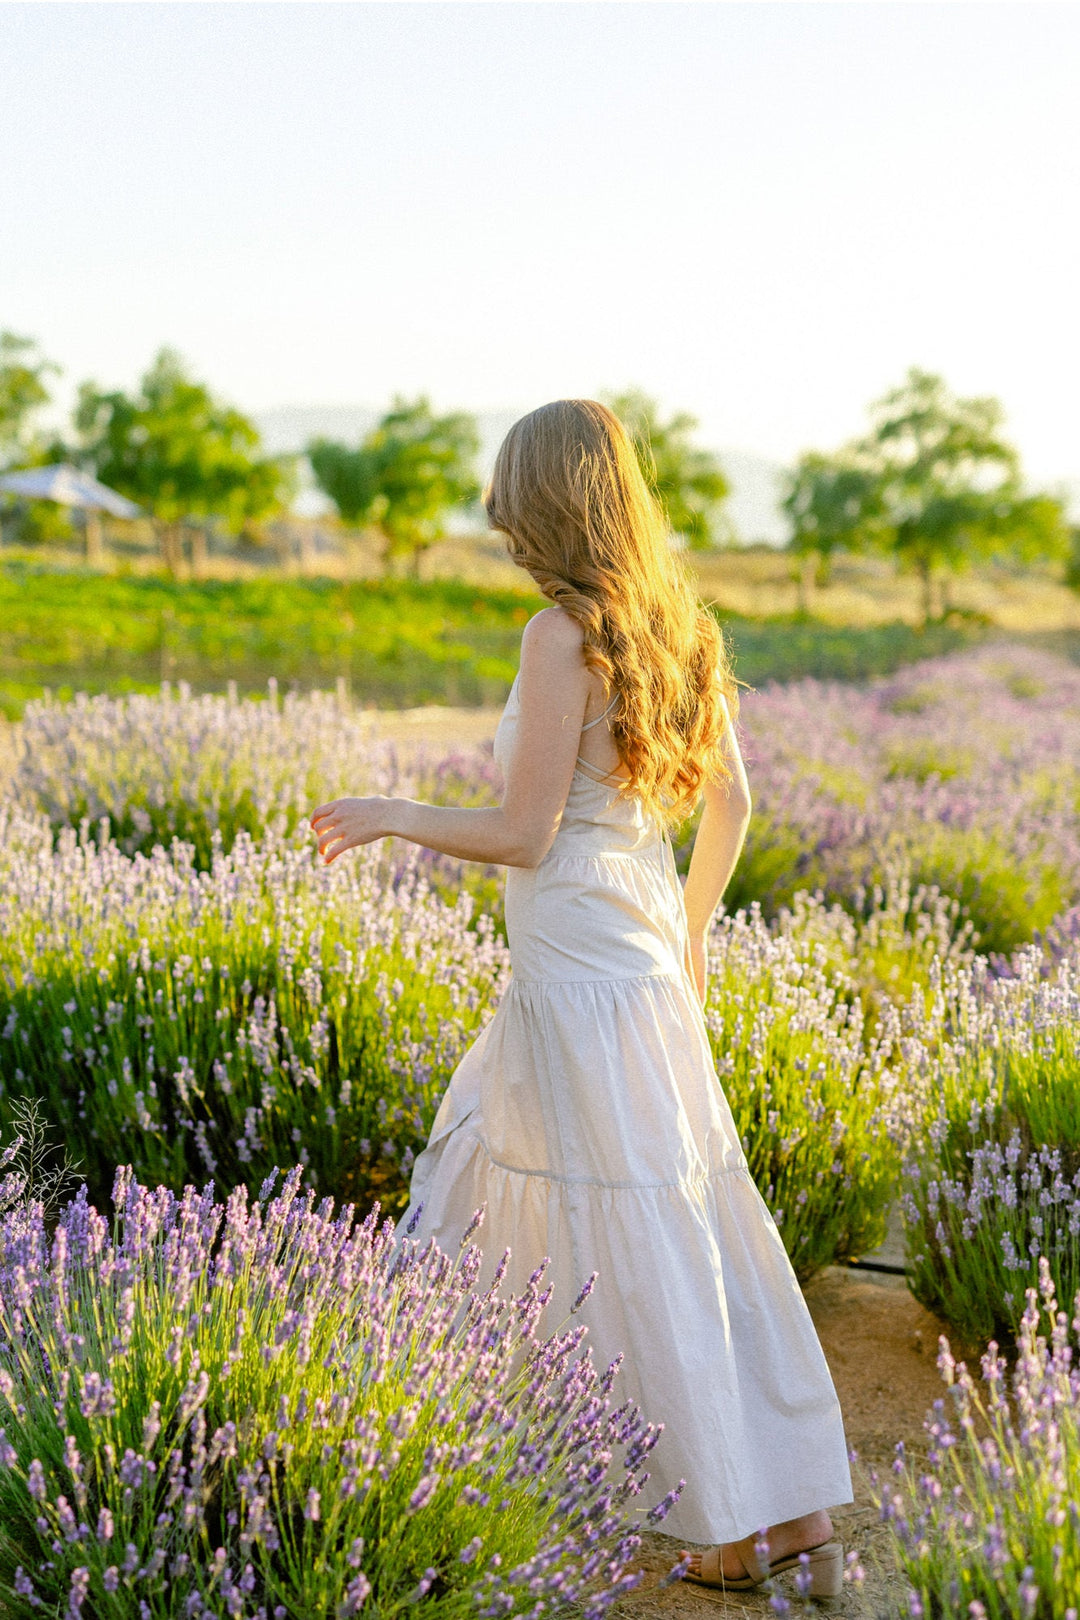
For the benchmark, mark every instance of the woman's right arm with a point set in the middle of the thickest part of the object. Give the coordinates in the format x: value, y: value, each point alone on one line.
x: 720, y: 835
x: 519, y: 831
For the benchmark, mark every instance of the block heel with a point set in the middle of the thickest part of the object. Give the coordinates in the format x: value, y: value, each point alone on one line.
x: 827, y: 1570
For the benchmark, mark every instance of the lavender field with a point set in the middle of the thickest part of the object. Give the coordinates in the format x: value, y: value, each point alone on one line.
x: 221, y: 1389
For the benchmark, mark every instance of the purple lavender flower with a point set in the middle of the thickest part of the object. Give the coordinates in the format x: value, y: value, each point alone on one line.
x: 300, y: 1443
x: 972, y: 1527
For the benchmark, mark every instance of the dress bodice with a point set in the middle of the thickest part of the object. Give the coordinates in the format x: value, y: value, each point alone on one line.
x: 598, y: 818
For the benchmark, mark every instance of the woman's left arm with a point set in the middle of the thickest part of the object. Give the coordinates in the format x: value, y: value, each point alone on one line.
x: 554, y: 688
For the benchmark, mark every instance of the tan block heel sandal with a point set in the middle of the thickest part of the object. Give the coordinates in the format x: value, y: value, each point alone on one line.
x: 825, y: 1566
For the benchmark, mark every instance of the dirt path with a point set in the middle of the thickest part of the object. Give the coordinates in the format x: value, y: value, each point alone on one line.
x: 881, y: 1347
x: 449, y: 728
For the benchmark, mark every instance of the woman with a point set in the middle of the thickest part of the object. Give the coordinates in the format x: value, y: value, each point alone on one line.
x: 588, y: 1117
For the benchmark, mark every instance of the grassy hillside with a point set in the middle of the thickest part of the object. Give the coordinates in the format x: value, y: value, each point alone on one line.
x: 393, y: 643
x: 404, y: 643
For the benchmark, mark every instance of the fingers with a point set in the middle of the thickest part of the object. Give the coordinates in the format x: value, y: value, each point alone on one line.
x: 332, y: 842
x: 324, y: 823
x: 329, y: 833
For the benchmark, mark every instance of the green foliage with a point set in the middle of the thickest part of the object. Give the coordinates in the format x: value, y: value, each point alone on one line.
x: 409, y: 471
x: 257, y: 1407
x: 787, y: 647
x: 833, y: 503
x: 812, y: 1100
x: 950, y: 482
x: 689, y: 481
x: 934, y: 483
x: 179, y: 453
x: 1072, y: 572
x: 347, y: 476
x: 267, y: 1012
x: 1004, y: 901
x: 392, y: 642
x: 36, y: 523
x: 209, y: 1025
x: 24, y: 389
x: 993, y: 1174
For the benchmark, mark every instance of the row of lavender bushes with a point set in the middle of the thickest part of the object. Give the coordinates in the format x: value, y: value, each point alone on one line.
x: 256, y: 1408
x: 252, y: 1408
x: 992, y: 1175
x: 210, y: 1025
x: 214, y: 1015
x: 986, y: 1524
x: 294, y: 1013
x: 853, y: 1032
x: 248, y: 1408
x: 965, y: 770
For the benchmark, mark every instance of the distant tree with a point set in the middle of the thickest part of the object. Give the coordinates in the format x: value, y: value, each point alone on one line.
x: 689, y: 481
x: 403, y: 478
x: 935, y: 484
x: 24, y: 389
x: 950, y: 485
x: 1072, y: 566
x: 185, y: 457
x: 348, y: 477
x: 833, y: 504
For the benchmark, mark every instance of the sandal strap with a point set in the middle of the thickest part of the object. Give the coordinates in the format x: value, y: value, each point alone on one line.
x: 711, y: 1566
x: 752, y: 1564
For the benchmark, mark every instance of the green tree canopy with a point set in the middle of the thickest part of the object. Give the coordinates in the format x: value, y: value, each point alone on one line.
x: 833, y: 504
x: 180, y: 453
x: 404, y: 477
x: 689, y: 481
x: 24, y: 389
x: 1072, y: 567
x: 934, y: 482
x: 347, y: 477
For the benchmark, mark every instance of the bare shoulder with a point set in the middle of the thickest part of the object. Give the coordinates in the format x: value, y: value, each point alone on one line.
x: 552, y: 633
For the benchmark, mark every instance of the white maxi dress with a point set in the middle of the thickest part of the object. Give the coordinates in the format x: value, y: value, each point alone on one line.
x: 589, y: 1119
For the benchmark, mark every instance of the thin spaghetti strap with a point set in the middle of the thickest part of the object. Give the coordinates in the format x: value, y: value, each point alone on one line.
x: 590, y: 723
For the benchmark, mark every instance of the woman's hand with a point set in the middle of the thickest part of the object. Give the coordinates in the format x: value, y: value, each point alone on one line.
x: 698, y: 964
x: 346, y: 823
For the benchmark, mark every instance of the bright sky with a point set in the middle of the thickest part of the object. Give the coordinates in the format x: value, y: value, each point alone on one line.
x: 762, y: 213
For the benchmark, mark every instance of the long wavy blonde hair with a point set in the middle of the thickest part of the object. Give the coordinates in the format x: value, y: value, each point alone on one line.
x: 568, y: 493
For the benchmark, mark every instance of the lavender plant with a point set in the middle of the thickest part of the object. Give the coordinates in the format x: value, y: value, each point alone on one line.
x: 992, y: 1182
x: 261, y: 1408
x: 209, y: 1024
x: 206, y: 768
x: 884, y: 946
x: 989, y: 1526
x: 965, y: 769
x: 962, y: 770
x: 32, y: 1165
x: 206, y: 1024
x: 814, y: 1098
